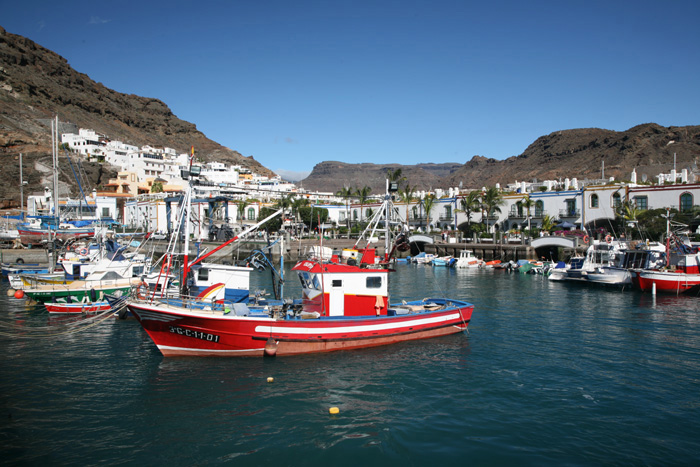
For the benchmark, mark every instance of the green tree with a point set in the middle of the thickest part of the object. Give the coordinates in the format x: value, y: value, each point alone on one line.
x: 629, y: 213
x: 310, y: 215
x: 346, y: 193
x: 527, y: 203
x: 548, y: 223
x: 274, y: 224
x: 157, y: 187
x: 491, y: 202
x: 242, y: 204
x: 407, y: 195
x: 428, y: 203
x: 362, y: 197
x: 395, y: 175
x: 469, y: 205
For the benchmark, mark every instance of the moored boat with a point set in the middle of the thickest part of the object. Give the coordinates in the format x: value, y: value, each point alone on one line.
x: 343, y: 307
x: 467, y: 259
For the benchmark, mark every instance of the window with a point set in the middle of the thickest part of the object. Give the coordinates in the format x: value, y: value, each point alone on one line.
x: 594, y: 200
x: 641, y: 202
x: 105, y: 212
x: 415, y: 212
x: 251, y: 214
x: 203, y: 274
x: 374, y: 282
x: 616, y: 202
x: 686, y: 202
x: 448, y: 212
x: 539, y: 208
x: 570, y: 207
x: 337, y: 283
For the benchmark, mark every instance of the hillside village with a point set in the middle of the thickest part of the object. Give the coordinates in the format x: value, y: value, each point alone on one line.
x: 150, y: 179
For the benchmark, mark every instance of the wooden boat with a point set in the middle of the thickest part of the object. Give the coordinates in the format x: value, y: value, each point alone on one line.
x: 342, y: 307
x: 78, y: 307
x: 93, y: 289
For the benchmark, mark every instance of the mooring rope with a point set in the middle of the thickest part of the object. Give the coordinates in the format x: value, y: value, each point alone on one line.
x: 30, y: 332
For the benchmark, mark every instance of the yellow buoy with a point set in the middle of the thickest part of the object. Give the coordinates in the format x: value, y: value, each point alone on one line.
x: 334, y: 410
x: 10, y: 292
x: 270, y: 379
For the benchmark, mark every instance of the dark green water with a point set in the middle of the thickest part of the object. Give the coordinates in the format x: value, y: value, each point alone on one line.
x: 549, y: 374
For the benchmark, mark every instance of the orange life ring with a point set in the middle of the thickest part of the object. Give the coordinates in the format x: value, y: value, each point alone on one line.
x: 585, y: 239
x: 142, y: 291
x: 608, y: 238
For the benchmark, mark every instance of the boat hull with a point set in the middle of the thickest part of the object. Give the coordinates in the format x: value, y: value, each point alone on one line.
x: 36, y: 236
x: 77, y: 308
x: 667, y: 281
x: 78, y: 293
x: 211, y: 333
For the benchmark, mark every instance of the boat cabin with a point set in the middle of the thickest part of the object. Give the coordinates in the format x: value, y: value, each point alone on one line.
x: 220, y: 282
x: 332, y: 289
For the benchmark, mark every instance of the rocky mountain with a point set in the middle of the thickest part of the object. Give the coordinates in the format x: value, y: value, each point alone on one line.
x: 582, y: 153
x: 37, y: 84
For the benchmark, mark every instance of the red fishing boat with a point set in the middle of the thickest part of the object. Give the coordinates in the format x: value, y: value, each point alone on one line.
x: 343, y: 307
x: 682, y: 277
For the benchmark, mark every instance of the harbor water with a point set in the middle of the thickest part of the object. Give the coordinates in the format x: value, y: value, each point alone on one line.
x: 550, y: 373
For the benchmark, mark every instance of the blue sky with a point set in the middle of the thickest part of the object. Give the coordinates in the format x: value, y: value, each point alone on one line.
x: 297, y: 83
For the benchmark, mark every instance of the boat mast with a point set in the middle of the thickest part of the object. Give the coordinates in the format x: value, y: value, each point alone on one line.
x: 54, y: 148
x: 21, y: 189
x: 186, y: 220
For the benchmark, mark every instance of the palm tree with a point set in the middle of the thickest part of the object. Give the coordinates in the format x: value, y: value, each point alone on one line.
x: 491, y: 200
x: 157, y: 187
x: 241, y: 210
x: 428, y: 203
x: 362, y: 196
x: 548, y: 223
x: 629, y: 212
x: 527, y: 203
x: 407, y: 195
x: 394, y: 175
x: 346, y: 193
x: 470, y: 204
x: 285, y: 202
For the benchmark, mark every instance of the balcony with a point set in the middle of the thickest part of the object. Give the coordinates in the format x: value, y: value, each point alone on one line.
x: 446, y: 217
x: 569, y: 213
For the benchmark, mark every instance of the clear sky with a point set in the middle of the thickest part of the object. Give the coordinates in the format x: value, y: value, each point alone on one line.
x: 295, y: 83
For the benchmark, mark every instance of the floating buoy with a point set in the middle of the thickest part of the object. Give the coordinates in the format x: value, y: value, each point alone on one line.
x: 11, y: 292
x: 334, y: 410
x: 19, y: 293
x: 270, y: 379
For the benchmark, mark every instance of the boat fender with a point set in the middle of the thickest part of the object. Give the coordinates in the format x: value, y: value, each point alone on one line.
x: 93, y: 295
x: 585, y: 239
x: 270, y: 348
x: 19, y: 261
x: 608, y: 239
x: 142, y: 291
